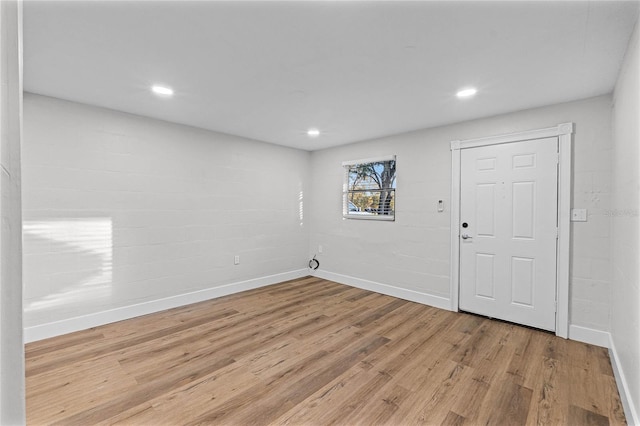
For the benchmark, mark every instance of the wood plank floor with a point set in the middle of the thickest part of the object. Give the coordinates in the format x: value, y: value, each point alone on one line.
x: 313, y: 352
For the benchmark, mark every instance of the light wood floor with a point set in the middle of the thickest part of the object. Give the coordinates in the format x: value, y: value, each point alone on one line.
x: 313, y: 352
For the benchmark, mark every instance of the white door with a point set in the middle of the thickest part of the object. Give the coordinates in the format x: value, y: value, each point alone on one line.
x: 508, y: 231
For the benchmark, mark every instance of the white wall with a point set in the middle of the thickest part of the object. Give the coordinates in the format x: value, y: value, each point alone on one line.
x: 121, y: 210
x: 411, y: 255
x: 625, y: 217
x: 12, y: 389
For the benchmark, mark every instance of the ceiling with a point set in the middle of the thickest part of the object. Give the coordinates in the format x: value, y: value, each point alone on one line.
x: 269, y: 70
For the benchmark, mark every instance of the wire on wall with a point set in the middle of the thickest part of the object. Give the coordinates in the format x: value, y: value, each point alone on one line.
x: 314, y: 263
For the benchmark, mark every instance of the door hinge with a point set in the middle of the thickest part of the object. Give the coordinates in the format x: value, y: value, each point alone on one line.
x: 557, y: 233
x: 558, y: 159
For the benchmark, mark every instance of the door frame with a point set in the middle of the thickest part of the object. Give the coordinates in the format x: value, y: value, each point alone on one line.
x: 564, y: 133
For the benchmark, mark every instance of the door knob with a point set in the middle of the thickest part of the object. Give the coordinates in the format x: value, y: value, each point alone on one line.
x: 466, y: 236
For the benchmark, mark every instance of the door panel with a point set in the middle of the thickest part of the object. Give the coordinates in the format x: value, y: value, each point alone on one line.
x: 522, y: 280
x: 508, y: 200
x: 524, y: 194
x: 485, y: 205
x: 484, y: 275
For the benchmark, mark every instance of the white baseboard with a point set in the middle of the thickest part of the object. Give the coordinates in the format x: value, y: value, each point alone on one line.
x: 578, y: 333
x: 402, y: 293
x: 604, y: 339
x: 623, y: 387
x: 84, y: 322
x: 43, y: 331
x: 589, y: 335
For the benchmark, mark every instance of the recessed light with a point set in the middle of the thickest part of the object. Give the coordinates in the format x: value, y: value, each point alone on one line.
x: 467, y: 93
x: 313, y: 133
x: 162, y: 90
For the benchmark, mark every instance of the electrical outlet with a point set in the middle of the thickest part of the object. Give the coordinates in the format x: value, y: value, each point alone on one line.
x: 579, y: 215
x: 236, y: 260
x: 319, y: 249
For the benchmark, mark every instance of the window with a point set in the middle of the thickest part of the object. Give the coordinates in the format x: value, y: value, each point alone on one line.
x: 370, y: 189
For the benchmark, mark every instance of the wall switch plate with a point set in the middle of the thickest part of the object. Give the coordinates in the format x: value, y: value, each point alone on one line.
x: 319, y: 249
x: 440, y: 206
x: 578, y: 215
x: 236, y: 260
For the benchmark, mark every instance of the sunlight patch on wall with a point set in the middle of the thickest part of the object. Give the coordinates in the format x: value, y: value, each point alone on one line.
x: 73, y: 258
x: 301, y: 207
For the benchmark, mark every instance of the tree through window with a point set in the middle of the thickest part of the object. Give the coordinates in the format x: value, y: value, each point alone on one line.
x: 370, y: 189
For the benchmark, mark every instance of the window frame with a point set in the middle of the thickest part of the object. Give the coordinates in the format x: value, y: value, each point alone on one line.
x: 346, y: 191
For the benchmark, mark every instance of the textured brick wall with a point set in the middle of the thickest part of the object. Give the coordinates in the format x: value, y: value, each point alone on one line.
x: 412, y: 253
x: 120, y: 209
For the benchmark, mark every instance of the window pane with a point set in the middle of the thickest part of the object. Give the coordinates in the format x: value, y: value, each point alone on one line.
x: 370, y: 189
x: 379, y: 175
